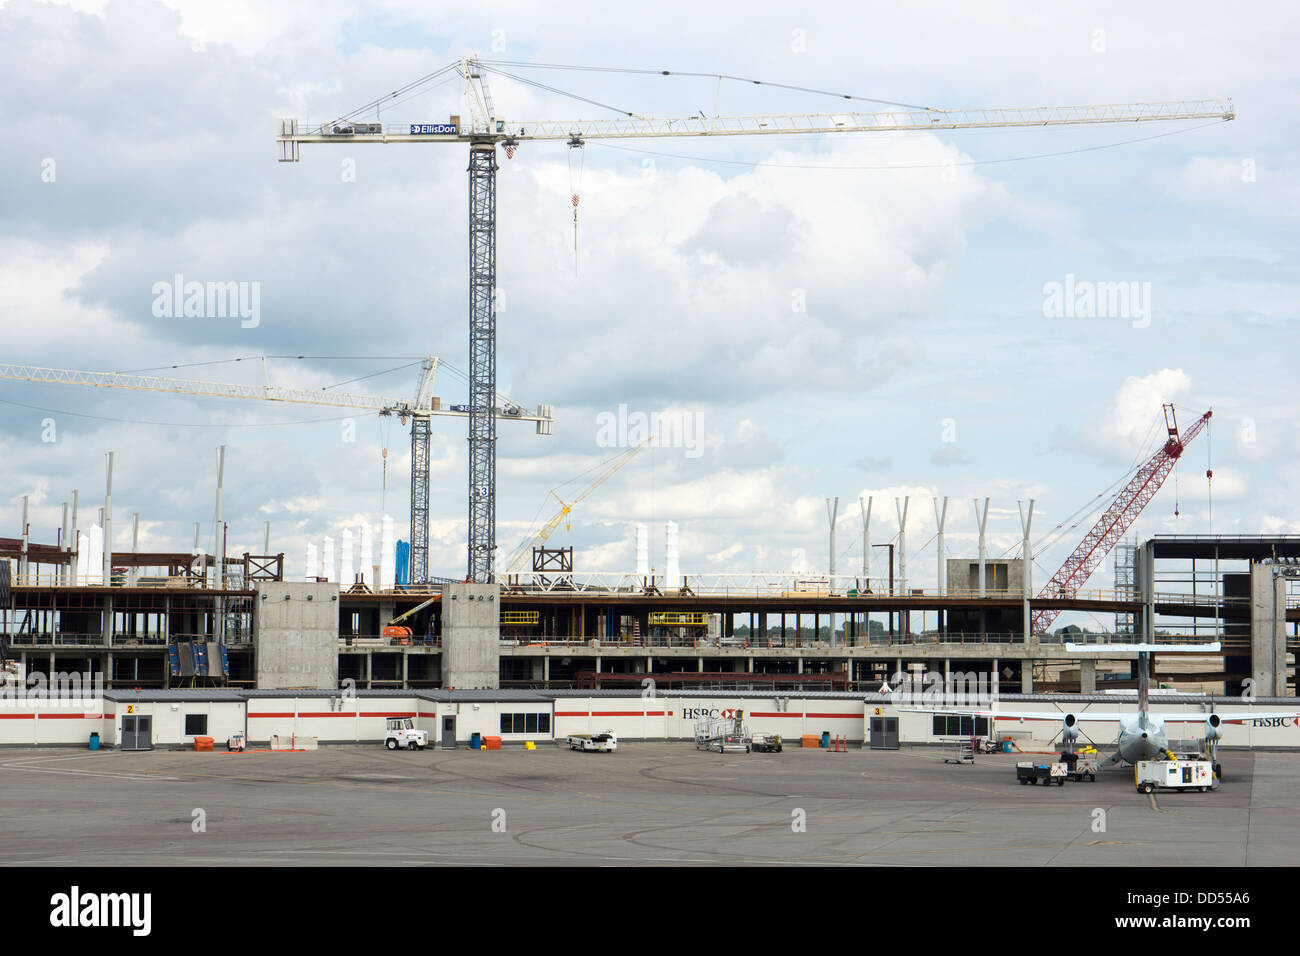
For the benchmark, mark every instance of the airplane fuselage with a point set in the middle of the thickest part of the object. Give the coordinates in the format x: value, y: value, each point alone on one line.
x: 1142, y: 737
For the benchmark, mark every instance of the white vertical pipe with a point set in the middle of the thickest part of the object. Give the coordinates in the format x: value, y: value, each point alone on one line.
x: 387, y: 556
x: 1026, y: 520
x: 311, y: 572
x: 327, y: 560
x: 266, y: 547
x: 940, y: 518
x: 108, y: 523
x: 866, y: 540
x: 82, y: 574
x: 367, y: 555
x: 672, y: 559
x: 642, y: 550
x: 347, y: 573
x: 983, y: 518
x: 22, y: 561
x: 73, y: 534
x: 64, y: 544
x: 218, y: 572
x: 832, y: 511
x: 901, y: 510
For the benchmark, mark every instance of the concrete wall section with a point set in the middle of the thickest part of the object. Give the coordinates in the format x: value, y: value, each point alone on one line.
x: 471, y: 636
x: 1267, y: 631
x: 295, y: 634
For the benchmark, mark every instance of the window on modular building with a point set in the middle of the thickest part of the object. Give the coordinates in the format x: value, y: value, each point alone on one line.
x: 507, y: 723
x: 196, y: 725
x: 530, y: 725
x: 960, y: 725
x: 543, y: 723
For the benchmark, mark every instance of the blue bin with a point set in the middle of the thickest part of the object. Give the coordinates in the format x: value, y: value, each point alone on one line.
x: 94, y: 740
x: 826, y: 739
x: 476, y: 741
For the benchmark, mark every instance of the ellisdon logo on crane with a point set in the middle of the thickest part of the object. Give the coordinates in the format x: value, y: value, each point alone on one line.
x: 434, y: 129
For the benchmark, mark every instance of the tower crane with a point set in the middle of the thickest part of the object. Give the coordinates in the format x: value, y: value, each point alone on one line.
x: 421, y: 410
x: 487, y: 129
x: 566, y: 508
x: 1117, y: 518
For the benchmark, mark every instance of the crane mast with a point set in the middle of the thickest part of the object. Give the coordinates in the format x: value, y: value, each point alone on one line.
x: 1116, y: 519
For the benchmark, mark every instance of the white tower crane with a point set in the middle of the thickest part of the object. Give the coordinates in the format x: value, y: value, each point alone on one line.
x: 487, y: 129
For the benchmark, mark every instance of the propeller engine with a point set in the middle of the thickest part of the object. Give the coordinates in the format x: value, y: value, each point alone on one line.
x: 1069, y: 729
x: 1213, y: 727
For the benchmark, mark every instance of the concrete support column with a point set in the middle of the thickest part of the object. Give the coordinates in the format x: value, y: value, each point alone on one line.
x: 751, y: 665
x: 1267, y: 631
x: 1088, y: 677
x: 546, y: 668
x: 699, y: 664
x: 1026, y: 677
x: 597, y: 663
x: 370, y: 659
x: 406, y: 658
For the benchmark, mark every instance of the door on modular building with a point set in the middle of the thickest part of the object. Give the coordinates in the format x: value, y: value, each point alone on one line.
x: 137, y: 732
x: 448, y: 732
x: 884, y: 733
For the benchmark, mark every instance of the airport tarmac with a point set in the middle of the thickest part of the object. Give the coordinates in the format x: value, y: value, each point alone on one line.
x: 647, y: 804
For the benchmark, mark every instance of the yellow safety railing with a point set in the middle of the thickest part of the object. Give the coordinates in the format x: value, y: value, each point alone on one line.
x: 679, y: 618
x: 519, y: 617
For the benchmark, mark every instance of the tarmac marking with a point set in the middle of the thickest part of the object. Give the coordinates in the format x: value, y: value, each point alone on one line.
x: 24, y: 765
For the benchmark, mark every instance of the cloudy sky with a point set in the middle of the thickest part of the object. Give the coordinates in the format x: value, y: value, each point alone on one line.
x: 839, y: 316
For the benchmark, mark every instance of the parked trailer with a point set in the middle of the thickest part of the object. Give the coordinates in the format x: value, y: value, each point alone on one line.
x: 1029, y: 772
x: 1150, y: 775
x: 594, y: 743
x: 1080, y: 767
x: 766, y: 743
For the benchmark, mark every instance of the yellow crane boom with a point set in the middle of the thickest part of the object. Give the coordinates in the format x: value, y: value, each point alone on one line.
x: 548, y: 529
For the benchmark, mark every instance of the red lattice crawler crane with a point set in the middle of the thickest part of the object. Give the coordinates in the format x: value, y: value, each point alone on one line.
x: 1117, y: 518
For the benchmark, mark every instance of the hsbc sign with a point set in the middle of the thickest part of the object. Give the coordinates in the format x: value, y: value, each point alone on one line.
x: 700, y: 713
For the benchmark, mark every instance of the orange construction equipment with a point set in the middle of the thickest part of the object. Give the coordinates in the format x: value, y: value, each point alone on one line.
x: 491, y: 743
x: 810, y: 740
x: 202, y: 743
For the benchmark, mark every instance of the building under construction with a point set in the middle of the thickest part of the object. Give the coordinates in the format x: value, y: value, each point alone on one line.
x: 161, y: 623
